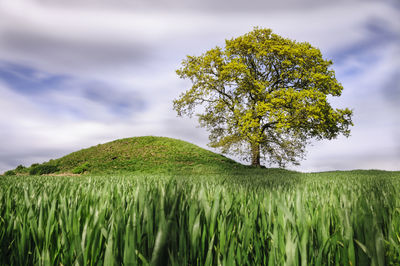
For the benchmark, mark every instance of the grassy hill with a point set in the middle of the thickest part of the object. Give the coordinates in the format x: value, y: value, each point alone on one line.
x: 140, y: 154
x: 159, y: 155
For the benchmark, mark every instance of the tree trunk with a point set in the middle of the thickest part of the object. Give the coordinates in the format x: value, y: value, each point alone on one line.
x: 255, y: 155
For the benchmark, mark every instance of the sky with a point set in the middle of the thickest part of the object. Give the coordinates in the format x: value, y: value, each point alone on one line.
x: 76, y: 73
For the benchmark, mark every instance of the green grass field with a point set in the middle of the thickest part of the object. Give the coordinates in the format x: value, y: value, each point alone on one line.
x: 197, y: 208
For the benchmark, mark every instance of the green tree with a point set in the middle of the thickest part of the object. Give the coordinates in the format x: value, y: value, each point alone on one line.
x: 263, y: 96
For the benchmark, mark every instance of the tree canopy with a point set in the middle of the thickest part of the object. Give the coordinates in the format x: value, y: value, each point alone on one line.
x: 263, y: 97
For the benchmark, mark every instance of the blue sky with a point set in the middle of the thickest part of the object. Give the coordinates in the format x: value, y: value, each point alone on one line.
x: 77, y: 73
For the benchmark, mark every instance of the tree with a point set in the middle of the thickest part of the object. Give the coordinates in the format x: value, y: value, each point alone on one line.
x: 263, y: 96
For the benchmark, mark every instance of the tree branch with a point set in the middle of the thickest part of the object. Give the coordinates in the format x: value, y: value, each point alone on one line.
x: 267, y: 125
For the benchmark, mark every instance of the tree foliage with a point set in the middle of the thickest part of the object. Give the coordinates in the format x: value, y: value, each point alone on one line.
x: 263, y: 96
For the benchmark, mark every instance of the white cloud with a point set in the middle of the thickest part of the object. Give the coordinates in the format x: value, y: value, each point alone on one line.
x: 74, y: 39
x: 30, y: 134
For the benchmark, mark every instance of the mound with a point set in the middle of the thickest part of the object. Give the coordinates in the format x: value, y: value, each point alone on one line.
x: 142, y: 154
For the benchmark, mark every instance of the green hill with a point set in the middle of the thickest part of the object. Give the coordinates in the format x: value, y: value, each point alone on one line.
x: 140, y: 154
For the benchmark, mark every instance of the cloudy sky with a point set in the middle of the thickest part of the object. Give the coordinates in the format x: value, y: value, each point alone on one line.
x: 75, y: 73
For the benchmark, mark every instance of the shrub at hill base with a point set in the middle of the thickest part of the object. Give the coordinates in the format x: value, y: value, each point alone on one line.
x: 43, y: 169
x: 10, y: 172
x: 81, y: 168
